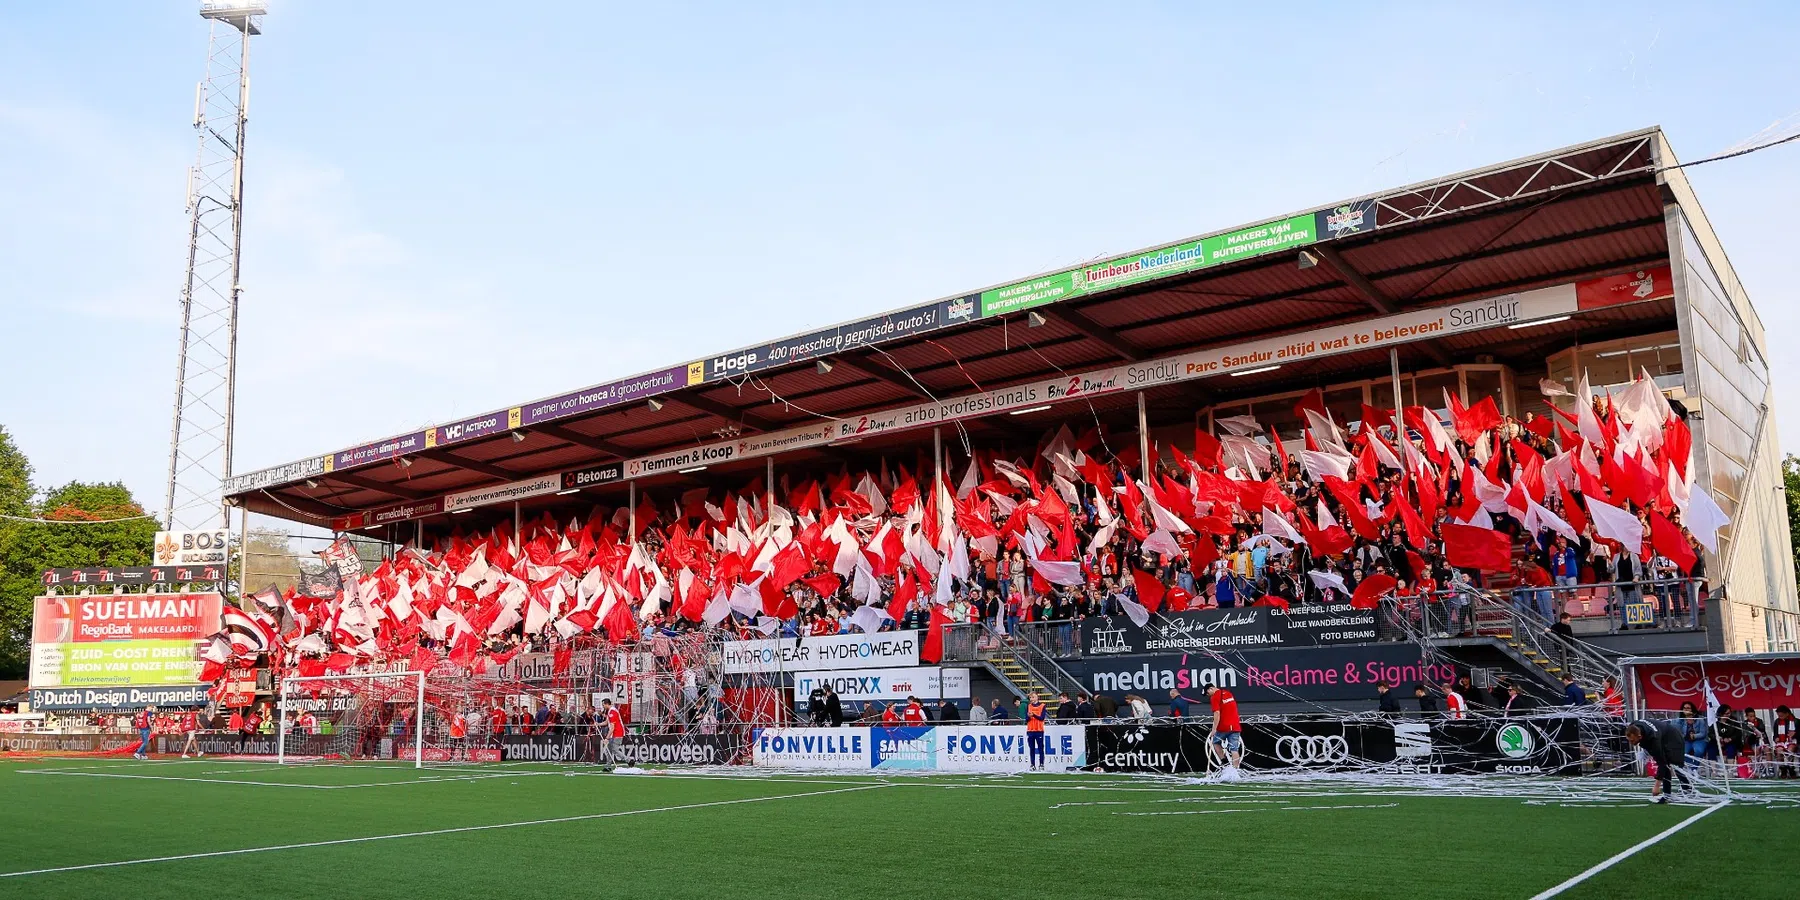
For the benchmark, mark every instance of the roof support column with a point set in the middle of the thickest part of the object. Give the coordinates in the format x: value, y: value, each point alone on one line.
x: 1399, y: 413
x: 1143, y: 438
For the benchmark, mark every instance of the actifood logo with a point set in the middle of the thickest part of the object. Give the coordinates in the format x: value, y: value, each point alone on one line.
x: 1515, y: 742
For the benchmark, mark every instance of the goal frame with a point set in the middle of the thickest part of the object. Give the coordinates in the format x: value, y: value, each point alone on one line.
x: 287, y: 685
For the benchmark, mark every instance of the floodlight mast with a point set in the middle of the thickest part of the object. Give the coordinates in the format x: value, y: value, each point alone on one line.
x: 200, y: 436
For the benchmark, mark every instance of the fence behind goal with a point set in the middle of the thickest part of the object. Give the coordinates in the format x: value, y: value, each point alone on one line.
x: 671, y: 693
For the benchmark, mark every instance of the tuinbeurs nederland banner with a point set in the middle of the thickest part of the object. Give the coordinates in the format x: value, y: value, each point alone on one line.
x: 120, y: 640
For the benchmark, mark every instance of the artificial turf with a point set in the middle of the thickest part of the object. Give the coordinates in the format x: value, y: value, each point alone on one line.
x: 840, y: 837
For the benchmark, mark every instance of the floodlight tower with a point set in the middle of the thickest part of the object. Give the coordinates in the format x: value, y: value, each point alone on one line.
x: 206, y: 368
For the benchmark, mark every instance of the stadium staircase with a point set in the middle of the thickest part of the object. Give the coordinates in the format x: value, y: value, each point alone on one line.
x: 1527, y: 640
x: 1021, y: 665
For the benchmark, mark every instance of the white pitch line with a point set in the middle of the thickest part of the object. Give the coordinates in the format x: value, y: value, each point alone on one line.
x: 415, y: 834
x: 315, y: 787
x: 1628, y: 852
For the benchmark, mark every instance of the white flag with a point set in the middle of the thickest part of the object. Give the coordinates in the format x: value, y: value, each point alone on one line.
x: 1612, y: 522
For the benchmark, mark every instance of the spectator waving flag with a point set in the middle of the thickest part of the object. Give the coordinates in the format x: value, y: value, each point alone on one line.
x: 248, y: 636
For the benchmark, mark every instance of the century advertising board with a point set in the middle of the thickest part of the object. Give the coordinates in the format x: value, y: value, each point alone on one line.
x: 120, y: 640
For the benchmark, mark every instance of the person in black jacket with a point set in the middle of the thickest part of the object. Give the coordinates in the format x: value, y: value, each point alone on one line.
x: 834, y: 708
x: 1662, y: 742
x: 815, y: 705
x: 1065, y: 709
x: 1427, y: 703
x: 1084, y: 708
x: 947, y: 711
x: 1388, y: 702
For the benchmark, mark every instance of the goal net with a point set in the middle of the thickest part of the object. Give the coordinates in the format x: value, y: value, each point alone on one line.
x: 356, y: 718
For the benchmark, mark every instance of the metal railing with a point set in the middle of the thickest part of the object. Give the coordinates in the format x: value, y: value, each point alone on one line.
x: 1651, y: 604
x: 978, y: 642
x: 1060, y: 638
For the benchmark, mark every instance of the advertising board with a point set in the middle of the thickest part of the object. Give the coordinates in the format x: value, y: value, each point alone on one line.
x: 117, y: 640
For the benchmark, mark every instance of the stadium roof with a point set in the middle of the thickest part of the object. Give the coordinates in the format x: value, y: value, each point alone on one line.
x: 1582, y: 212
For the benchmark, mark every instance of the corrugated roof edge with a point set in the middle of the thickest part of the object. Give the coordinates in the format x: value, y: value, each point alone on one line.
x: 247, y: 482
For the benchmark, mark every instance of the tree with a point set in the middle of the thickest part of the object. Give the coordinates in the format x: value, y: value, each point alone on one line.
x: 271, y: 561
x: 1790, y: 478
x: 93, y: 536
x: 15, y: 478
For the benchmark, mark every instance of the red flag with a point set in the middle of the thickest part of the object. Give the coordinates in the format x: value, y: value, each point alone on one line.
x: 905, y: 589
x: 1530, y: 469
x: 1670, y: 542
x: 1474, y: 547
x: 1470, y: 423
x: 1280, y: 448
x: 423, y: 660
x: 824, y: 584
x: 1678, y: 443
x: 1150, y: 591
x: 776, y: 601
x: 933, y: 649
x: 787, y: 564
x: 1430, y: 501
x: 620, y: 627
x: 1370, y: 590
x: 1572, y: 511
x: 1313, y: 400
x: 1373, y: 418
x: 904, y: 497
x: 1415, y: 527
x: 1361, y: 523
x: 1206, y: 449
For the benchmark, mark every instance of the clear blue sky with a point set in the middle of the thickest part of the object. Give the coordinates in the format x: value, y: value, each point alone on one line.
x: 453, y: 207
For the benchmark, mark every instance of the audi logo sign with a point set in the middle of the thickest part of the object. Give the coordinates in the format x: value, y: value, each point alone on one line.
x: 1301, y: 750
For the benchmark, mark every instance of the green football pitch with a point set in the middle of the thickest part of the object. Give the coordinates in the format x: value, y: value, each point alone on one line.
x: 208, y: 828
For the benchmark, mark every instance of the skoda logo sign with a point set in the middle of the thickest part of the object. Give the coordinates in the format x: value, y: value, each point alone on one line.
x: 1299, y: 750
x: 1515, y: 742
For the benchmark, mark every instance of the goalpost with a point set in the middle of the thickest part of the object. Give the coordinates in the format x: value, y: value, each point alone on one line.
x: 354, y: 716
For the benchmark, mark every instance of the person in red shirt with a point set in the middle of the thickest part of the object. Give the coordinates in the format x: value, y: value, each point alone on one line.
x: 1454, y: 705
x: 1227, y: 734
x: 496, y: 724
x: 190, y: 726
x: 915, y: 712
x: 889, y: 717
x: 142, y: 722
x: 614, y: 729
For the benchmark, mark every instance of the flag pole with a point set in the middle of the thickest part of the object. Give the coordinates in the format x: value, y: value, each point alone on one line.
x: 1712, y: 724
x: 419, y: 724
x: 281, y: 726
x: 1143, y: 438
